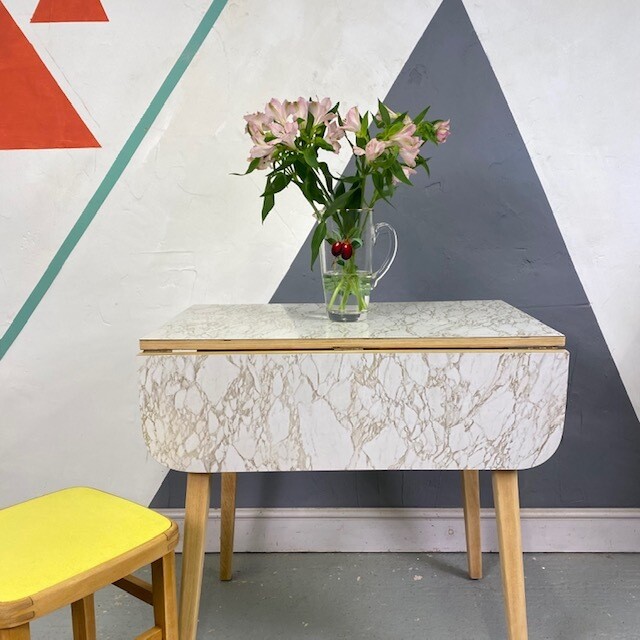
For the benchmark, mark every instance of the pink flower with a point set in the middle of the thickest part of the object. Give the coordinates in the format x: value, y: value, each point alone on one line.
x: 320, y: 110
x: 266, y: 162
x: 261, y: 150
x: 277, y: 110
x: 285, y: 134
x: 405, y: 136
x: 333, y: 134
x: 256, y: 123
x: 410, y: 152
x: 352, y: 120
x: 442, y: 130
x: 373, y: 149
x: 299, y: 109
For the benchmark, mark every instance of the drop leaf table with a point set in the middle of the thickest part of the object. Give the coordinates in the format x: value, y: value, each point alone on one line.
x: 467, y: 385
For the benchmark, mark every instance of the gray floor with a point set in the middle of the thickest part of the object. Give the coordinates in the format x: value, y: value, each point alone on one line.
x: 390, y: 597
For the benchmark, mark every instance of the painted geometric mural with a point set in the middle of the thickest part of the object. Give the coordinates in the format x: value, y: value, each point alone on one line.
x: 35, y: 113
x: 100, y: 246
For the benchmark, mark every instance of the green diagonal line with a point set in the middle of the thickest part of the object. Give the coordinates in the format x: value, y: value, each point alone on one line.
x: 112, y: 176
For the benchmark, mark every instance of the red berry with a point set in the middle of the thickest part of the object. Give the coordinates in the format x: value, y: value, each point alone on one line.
x: 336, y: 248
x: 347, y: 250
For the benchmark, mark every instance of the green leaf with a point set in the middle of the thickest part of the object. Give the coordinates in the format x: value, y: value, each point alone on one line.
x: 316, y: 241
x: 310, y: 123
x: 310, y: 157
x: 252, y: 167
x: 324, y: 167
x: 397, y: 171
x: 322, y: 143
x: 301, y: 169
x: 420, y: 117
x: 384, y: 113
x: 339, y: 203
x: 311, y: 185
x: 393, y: 129
x: 378, y: 181
x: 340, y: 189
x: 267, y: 205
x: 356, y: 242
x: 364, y: 127
x: 277, y: 184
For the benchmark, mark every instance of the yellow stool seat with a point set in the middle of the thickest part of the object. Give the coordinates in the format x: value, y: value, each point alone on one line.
x: 48, y: 540
x: 60, y: 548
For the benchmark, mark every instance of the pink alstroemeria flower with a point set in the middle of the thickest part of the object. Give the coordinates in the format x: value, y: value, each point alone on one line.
x: 261, y: 150
x: 285, y: 134
x: 320, y: 110
x: 256, y: 123
x: 405, y: 137
x: 373, y: 149
x: 442, y: 130
x: 266, y: 162
x: 333, y: 134
x: 298, y: 109
x: 409, y: 153
x: 277, y: 110
x: 352, y: 120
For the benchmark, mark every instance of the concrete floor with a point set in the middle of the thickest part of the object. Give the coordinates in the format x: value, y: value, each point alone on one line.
x: 390, y: 597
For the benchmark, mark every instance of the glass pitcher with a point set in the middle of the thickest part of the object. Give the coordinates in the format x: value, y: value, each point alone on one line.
x: 346, y: 261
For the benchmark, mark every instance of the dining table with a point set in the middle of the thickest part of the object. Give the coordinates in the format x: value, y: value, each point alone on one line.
x: 466, y: 386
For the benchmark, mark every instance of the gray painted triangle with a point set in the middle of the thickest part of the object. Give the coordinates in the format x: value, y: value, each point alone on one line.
x: 480, y: 227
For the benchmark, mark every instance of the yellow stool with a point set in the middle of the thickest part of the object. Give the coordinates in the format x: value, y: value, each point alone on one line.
x: 61, y: 548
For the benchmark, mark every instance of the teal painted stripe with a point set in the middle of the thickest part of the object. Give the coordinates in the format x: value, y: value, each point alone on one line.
x: 113, y: 174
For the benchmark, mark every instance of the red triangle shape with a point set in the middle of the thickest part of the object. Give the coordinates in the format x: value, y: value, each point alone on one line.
x: 69, y: 11
x: 34, y: 111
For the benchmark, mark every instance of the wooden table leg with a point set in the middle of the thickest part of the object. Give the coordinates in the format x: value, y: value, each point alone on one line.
x: 227, y: 524
x: 195, y: 529
x: 83, y: 618
x: 471, y: 506
x: 507, y: 503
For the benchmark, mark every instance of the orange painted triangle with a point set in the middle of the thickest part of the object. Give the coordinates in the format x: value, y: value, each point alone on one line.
x: 34, y: 111
x: 69, y: 11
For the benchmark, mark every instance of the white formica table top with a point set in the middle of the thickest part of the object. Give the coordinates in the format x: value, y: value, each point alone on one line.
x: 403, y: 325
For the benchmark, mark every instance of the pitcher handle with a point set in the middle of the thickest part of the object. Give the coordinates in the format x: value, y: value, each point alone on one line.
x: 391, y: 254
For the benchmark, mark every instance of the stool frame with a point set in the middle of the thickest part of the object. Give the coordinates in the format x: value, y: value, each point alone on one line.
x: 78, y: 591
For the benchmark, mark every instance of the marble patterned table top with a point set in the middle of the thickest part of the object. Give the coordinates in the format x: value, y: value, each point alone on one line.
x: 460, y: 324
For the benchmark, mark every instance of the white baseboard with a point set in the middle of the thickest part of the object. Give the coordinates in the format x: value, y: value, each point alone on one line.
x: 420, y: 530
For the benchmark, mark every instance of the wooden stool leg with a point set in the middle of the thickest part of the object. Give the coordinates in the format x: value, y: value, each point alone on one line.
x: 227, y: 524
x: 16, y: 633
x: 471, y: 506
x: 83, y: 618
x: 507, y: 503
x: 195, y: 529
x: 165, y: 609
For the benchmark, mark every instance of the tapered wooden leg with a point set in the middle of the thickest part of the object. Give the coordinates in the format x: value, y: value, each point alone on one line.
x: 507, y: 503
x: 195, y: 529
x: 83, y: 617
x: 227, y: 524
x: 165, y: 609
x: 471, y: 505
x: 17, y: 633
